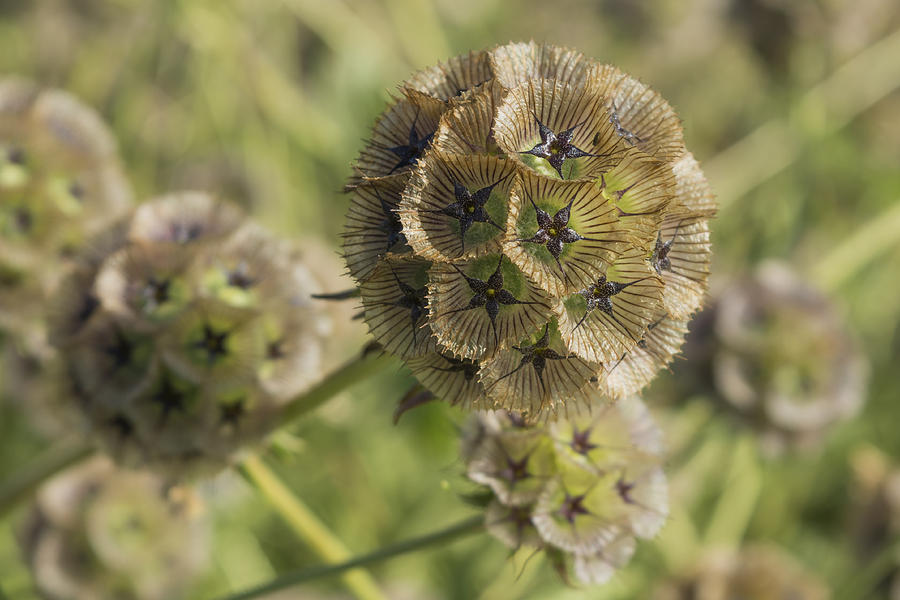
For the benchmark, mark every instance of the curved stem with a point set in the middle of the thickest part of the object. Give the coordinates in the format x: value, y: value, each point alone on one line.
x: 53, y: 460
x: 307, y: 526
x: 362, y: 367
x: 463, y: 528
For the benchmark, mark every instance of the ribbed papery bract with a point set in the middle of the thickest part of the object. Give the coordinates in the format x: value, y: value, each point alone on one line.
x: 692, y: 190
x: 512, y: 381
x: 581, y: 512
x: 470, y: 332
x: 632, y: 372
x: 515, y: 464
x: 467, y: 128
x: 643, y: 189
x: 560, y: 108
x: 681, y: 256
x: 512, y: 525
x: 184, y: 218
x: 453, y: 78
x: 449, y: 377
x: 598, y: 568
x: 590, y: 215
x: 373, y: 226
x: 396, y: 306
x: 517, y: 63
x: 644, y: 118
x: 601, y: 334
x: 146, y: 283
x: 292, y: 355
x: 432, y: 190
x: 406, y: 124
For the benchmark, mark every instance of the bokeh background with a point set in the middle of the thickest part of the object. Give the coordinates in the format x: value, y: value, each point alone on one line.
x: 792, y: 108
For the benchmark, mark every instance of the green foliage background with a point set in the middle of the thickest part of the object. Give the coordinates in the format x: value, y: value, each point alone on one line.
x: 276, y: 95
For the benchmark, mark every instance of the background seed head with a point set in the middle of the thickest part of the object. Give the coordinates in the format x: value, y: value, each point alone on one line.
x: 779, y: 357
x: 98, y: 531
x: 184, y: 339
x: 60, y: 185
x: 582, y: 489
x: 527, y: 228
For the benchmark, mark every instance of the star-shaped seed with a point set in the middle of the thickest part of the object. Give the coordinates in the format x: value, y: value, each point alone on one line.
x: 232, y: 412
x: 573, y: 506
x: 411, y: 299
x: 628, y: 136
x: 410, y: 152
x: 556, y: 149
x: 599, y: 296
x: 240, y: 277
x: 467, y: 367
x: 581, y: 441
x: 120, y: 351
x: 554, y: 232
x: 488, y: 294
x: 169, y: 398
x: 660, y: 257
x: 213, y: 342
x: 391, y: 225
x: 469, y: 207
x: 537, y: 356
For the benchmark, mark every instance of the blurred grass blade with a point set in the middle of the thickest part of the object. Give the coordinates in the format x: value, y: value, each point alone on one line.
x: 307, y: 526
x: 827, y: 107
x: 862, y: 247
x: 468, y: 526
x: 26, y: 480
x: 735, y: 507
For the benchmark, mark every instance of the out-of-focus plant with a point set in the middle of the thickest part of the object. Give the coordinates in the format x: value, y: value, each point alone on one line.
x: 97, y: 531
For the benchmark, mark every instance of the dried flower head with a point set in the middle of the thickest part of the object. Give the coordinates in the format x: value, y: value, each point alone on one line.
x: 96, y: 531
x: 779, y: 357
x: 581, y: 489
x: 184, y: 340
x: 60, y: 185
x: 753, y: 573
x: 527, y: 227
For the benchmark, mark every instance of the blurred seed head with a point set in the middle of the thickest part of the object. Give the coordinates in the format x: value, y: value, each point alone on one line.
x: 60, y: 186
x: 97, y: 531
x: 752, y: 573
x: 581, y: 489
x: 527, y: 228
x: 778, y: 356
x: 183, y: 341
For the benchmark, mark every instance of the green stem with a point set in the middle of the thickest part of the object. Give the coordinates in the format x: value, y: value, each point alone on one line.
x: 307, y: 526
x: 461, y: 529
x: 358, y: 369
x: 24, y: 481
x: 864, y: 584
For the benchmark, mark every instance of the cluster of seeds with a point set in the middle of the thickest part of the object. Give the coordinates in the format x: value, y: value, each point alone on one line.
x: 185, y: 331
x: 527, y: 228
x: 60, y: 184
x: 100, y: 532
x: 778, y: 356
x: 581, y: 489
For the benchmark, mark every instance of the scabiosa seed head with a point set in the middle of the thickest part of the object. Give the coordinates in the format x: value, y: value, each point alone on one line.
x: 582, y: 488
x: 97, y: 531
x: 779, y: 358
x: 60, y: 185
x: 184, y: 340
x: 526, y: 228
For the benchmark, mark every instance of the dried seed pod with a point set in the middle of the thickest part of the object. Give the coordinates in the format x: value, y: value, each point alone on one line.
x: 99, y: 532
x: 183, y: 342
x: 582, y: 488
x: 60, y: 186
x: 549, y: 210
x: 779, y: 358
